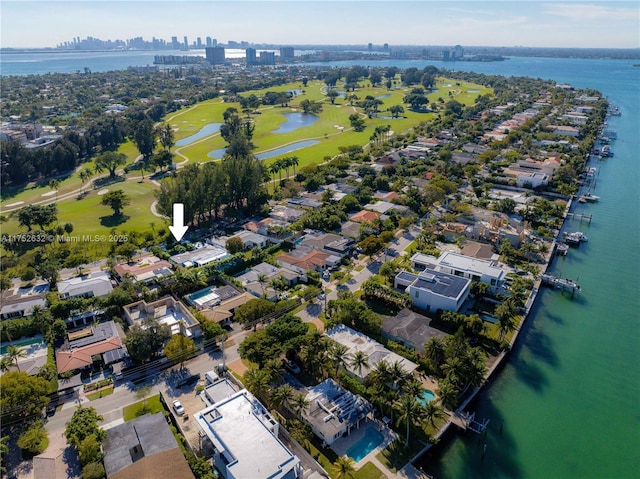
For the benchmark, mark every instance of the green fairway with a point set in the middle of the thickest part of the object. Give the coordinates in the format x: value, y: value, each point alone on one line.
x: 89, y: 217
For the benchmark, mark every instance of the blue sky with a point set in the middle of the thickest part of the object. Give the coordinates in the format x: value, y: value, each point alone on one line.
x: 26, y: 23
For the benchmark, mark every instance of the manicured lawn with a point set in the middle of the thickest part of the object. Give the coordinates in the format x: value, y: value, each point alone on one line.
x: 101, y: 393
x: 132, y: 411
x: 395, y: 456
x: 369, y: 471
x: 326, y: 457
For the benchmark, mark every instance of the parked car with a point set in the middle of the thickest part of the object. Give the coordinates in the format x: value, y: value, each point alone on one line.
x: 178, y: 408
x: 291, y: 366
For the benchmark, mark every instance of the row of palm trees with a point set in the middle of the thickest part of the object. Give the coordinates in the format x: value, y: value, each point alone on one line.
x: 284, y: 163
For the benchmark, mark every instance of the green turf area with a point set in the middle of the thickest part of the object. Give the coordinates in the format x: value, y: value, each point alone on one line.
x: 89, y: 217
x: 150, y: 405
x: 102, y: 393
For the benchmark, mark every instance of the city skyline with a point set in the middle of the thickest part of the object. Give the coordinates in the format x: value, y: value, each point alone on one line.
x: 569, y: 24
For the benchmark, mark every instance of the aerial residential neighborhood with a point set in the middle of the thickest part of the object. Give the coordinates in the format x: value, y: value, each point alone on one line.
x: 250, y: 269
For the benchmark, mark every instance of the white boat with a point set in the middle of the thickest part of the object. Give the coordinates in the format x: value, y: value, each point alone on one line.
x: 575, y: 237
x: 588, y: 197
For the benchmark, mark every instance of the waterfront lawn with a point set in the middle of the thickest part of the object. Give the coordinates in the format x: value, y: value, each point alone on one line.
x: 395, y: 455
x: 149, y: 405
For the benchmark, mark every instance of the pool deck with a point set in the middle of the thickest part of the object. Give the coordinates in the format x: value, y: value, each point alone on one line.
x: 342, y: 445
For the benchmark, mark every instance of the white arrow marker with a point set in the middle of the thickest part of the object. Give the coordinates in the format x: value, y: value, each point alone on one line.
x: 178, y: 229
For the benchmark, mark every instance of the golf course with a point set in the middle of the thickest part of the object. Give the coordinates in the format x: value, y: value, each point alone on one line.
x: 279, y: 131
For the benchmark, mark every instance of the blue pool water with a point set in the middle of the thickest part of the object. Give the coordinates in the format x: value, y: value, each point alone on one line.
x: 219, y: 153
x: 295, y: 121
x: 208, y: 129
x: 27, y: 342
x: 202, y: 293
x: 488, y: 318
x: 426, y: 397
x: 372, y: 439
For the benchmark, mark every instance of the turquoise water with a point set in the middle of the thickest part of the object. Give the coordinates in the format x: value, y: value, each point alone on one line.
x: 295, y: 121
x: 372, y: 439
x: 208, y: 129
x: 3, y: 348
x: 426, y: 397
x: 567, y: 403
x: 201, y: 293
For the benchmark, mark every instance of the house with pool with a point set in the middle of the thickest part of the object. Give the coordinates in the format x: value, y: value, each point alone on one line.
x: 167, y: 311
x: 333, y: 412
x: 375, y: 352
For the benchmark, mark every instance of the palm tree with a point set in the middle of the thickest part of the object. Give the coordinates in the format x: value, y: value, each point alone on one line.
x: 54, y: 184
x: 262, y: 279
x: 282, y: 396
x: 397, y: 374
x: 276, y: 167
x: 506, y: 321
x: 409, y: 410
x: 339, y: 355
x: 413, y: 388
x: 274, y: 369
x: 434, y: 350
x: 358, y: 361
x: 299, y: 404
x: 257, y: 381
x: 343, y: 467
x: 14, y: 353
x: 432, y: 412
x: 294, y: 162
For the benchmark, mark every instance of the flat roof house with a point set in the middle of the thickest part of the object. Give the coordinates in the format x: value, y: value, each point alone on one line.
x: 85, y: 286
x: 333, y: 411
x: 245, y: 439
x: 167, y: 311
x: 432, y: 290
x: 144, y: 448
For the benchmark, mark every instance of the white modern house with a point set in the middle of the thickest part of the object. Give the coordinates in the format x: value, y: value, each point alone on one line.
x: 375, y: 352
x: 333, y: 411
x: 167, y: 311
x: 532, y: 180
x: 245, y: 439
x: 475, y: 269
x: 432, y: 290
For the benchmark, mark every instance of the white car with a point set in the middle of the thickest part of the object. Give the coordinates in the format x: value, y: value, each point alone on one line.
x: 178, y: 408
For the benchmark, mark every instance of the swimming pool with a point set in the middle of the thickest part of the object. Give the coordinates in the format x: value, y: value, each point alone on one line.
x: 372, y: 439
x: 426, y: 397
x: 27, y: 342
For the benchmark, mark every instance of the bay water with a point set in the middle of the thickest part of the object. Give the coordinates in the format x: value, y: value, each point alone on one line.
x: 567, y: 403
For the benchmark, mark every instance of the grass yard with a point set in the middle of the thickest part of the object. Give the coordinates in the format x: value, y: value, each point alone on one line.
x: 89, y: 217
x: 395, y: 456
x: 150, y: 405
x: 102, y: 393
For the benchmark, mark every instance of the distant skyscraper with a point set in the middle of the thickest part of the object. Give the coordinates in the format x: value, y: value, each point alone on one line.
x: 286, y: 53
x: 209, y: 44
x: 214, y: 42
x: 370, y: 47
x: 215, y: 55
x: 267, y: 58
x: 385, y: 47
x: 199, y: 42
x: 251, y: 56
x: 174, y: 43
x: 186, y: 43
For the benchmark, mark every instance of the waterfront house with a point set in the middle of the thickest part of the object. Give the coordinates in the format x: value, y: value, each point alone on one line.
x: 333, y: 411
x: 375, y: 352
x: 433, y: 290
x: 410, y: 329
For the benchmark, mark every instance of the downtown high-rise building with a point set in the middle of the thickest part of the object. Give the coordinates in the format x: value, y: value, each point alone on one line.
x: 185, y: 45
x: 215, y: 55
x: 250, y: 54
x: 286, y: 53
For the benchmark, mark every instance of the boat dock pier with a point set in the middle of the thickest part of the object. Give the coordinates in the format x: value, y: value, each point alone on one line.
x: 564, y: 284
x: 580, y: 216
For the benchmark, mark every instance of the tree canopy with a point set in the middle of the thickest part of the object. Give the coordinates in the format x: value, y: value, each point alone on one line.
x: 22, y: 395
